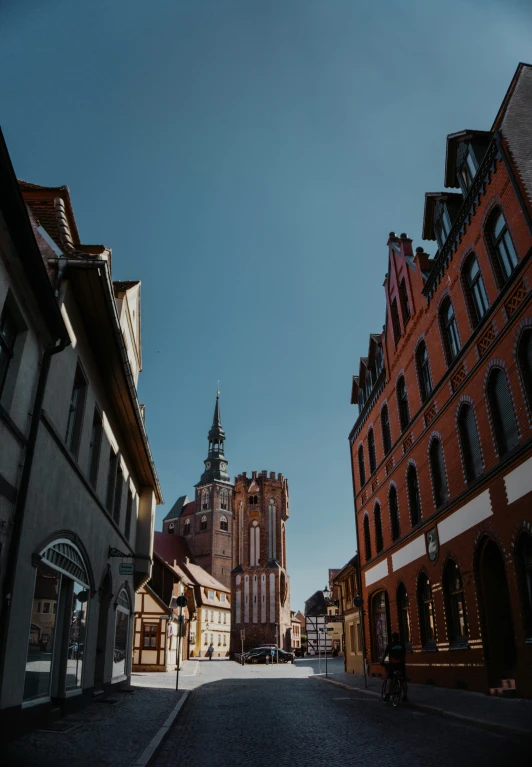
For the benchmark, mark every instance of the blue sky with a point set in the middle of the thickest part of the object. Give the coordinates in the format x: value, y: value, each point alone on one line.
x: 246, y: 160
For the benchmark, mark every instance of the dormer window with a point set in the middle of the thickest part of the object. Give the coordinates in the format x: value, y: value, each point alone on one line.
x: 443, y: 224
x: 468, y: 170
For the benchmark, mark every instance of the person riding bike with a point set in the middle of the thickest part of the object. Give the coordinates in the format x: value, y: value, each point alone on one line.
x: 395, y: 653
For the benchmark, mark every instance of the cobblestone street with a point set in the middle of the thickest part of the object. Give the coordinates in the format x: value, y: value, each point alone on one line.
x: 264, y: 716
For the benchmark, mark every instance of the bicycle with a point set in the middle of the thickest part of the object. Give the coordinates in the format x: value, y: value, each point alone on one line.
x: 396, y: 689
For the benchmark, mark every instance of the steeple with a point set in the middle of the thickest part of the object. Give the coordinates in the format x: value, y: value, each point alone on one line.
x: 216, y: 463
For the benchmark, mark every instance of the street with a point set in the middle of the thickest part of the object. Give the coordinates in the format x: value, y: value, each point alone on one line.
x: 264, y: 715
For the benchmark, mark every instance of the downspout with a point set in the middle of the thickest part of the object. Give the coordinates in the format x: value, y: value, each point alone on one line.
x: 22, y: 496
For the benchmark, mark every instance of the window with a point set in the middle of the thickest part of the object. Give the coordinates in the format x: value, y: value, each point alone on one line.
x: 367, y: 538
x: 402, y: 403
x: 171, y: 527
x: 224, y: 525
x: 523, y: 561
x: 468, y: 170
x: 111, y: 479
x: 379, y: 605
x: 253, y: 500
x: 423, y: 371
x: 149, y: 636
x: 467, y: 430
x: 449, y: 330
x: 205, y: 499
x: 403, y: 614
x: 502, y: 246
x: 396, y: 325
x: 186, y: 527
x: 129, y: 513
x: 443, y: 225
x: 378, y: 528
x: 361, y: 467
x: 474, y: 290
x: 413, y: 495
x: 403, y: 298
x: 120, y: 654
x: 371, y: 451
x: 437, y: 468
x: 8, y: 334
x: 95, y: 446
x: 524, y: 355
x: 222, y: 598
x: 394, y: 513
x: 502, y: 412
x: 119, y: 485
x: 426, y: 611
x: 203, y: 523
x: 75, y: 412
x: 385, y: 427
x: 454, y: 602
x: 224, y: 500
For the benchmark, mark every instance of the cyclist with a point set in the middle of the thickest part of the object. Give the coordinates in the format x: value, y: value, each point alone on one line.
x: 395, y: 652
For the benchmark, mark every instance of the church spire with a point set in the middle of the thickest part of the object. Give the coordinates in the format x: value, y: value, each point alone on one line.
x: 216, y: 463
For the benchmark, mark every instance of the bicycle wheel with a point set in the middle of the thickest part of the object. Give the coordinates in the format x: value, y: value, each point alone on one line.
x: 396, y: 691
x: 383, y: 691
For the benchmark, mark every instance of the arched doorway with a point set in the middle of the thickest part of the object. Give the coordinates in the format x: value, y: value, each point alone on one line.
x: 105, y: 594
x: 496, y: 613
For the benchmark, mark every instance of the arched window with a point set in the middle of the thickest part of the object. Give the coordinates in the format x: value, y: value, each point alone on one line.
x: 402, y: 403
x: 403, y: 298
x: 378, y: 528
x: 474, y: 289
x: 367, y: 538
x: 403, y: 614
x: 122, y: 620
x: 502, y: 246
x: 423, y: 371
x: 361, y: 467
x: 205, y: 499
x: 224, y: 525
x: 396, y: 325
x: 394, y: 513
x: 380, y: 616
x: 254, y: 544
x: 449, y: 329
x: 224, y: 500
x: 427, y: 623
x: 371, y: 452
x: 171, y: 527
x: 437, y: 469
x: 413, y: 495
x: 523, y: 562
x: 524, y: 354
x: 203, y: 522
x: 502, y: 412
x: 385, y: 427
x: 467, y: 429
x: 454, y: 602
x: 186, y: 527
x: 272, y: 531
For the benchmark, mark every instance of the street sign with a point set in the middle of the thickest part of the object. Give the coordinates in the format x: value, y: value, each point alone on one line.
x: 330, y: 628
x: 165, y: 617
x: 335, y: 619
x: 273, y: 651
x: 358, y: 601
x: 126, y: 568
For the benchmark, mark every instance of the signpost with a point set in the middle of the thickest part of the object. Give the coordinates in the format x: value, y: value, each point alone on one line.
x: 242, y: 637
x: 180, y: 601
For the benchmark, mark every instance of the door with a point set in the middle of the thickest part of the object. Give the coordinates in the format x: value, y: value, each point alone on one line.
x: 496, y: 614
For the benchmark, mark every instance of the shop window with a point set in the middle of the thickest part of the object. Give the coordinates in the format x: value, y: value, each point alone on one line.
x: 502, y: 412
x: 474, y: 289
x: 361, y: 466
x: 437, y: 470
x: 402, y: 403
x: 379, y: 612
x: 469, y: 442
x: 423, y: 371
x: 454, y: 602
x: 123, y: 610
x: 427, y: 623
x: 413, y: 495
x: 371, y: 452
x: 523, y: 561
x: 394, y: 513
x: 385, y: 427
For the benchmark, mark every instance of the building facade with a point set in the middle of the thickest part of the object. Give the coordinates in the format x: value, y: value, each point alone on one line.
x: 348, y: 580
x: 296, y: 631
x: 260, y: 585
x: 88, y: 488
x: 442, y: 448
x: 207, y: 521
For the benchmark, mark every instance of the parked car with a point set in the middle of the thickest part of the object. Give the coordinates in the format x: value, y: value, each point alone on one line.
x: 259, y: 655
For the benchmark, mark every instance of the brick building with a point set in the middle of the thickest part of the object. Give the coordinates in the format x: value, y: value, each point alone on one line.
x: 260, y: 584
x: 442, y: 447
x: 206, y: 522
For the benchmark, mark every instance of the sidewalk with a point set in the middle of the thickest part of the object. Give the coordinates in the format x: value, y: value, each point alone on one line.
x: 511, y: 716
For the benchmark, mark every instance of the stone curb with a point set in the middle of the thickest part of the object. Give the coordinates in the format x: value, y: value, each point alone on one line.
x: 145, y: 758
x: 503, y: 729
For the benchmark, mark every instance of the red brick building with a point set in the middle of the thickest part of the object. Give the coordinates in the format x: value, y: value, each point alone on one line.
x: 442, y: 447
x: 260, y: 586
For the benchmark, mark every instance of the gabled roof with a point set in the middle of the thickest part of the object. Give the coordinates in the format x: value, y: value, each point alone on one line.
x: 177, y: 508
x: 171, y: 547
x: 121, y: 285
x: 203, y: 578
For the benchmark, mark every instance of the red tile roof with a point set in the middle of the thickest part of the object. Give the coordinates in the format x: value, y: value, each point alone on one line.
x: 171, y: 547
x: 188, y: 509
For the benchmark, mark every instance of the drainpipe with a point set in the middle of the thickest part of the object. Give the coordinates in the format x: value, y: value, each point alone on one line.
x: 22, y: 496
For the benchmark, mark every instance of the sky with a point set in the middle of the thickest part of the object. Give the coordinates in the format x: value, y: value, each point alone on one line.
x: 246, y: 160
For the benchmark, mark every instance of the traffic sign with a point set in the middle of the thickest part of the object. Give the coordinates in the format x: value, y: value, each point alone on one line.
x: 273, y: 651
x: 126, y: 568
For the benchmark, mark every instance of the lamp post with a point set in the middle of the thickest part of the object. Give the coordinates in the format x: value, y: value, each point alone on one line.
x: 180, y: 601
x: 327, y: 596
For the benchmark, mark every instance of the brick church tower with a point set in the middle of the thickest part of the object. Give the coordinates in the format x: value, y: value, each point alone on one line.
x: 207, y: 521
x: 260, y: 587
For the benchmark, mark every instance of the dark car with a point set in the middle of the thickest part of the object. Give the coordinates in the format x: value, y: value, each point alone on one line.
x: 259, y: 655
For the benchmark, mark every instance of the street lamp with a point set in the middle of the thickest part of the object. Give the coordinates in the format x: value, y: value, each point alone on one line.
x: 327, y: 595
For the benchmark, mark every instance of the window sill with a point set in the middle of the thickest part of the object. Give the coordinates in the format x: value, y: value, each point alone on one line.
x: 36, y: 702
x: 73, y: 693
x: 429, y: 647
x: 460, y: 644
x: 122, y: 678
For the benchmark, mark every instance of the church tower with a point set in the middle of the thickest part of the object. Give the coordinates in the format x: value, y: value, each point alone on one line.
x: 211, y: 525
x: 260, y: 586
